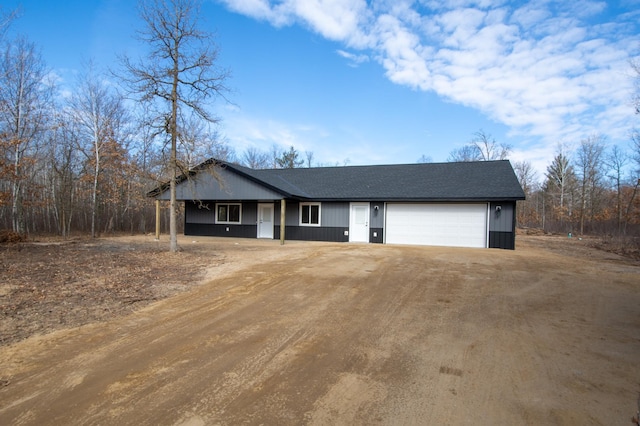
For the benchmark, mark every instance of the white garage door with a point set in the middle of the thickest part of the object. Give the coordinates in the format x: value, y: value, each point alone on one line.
x: 458, y: 225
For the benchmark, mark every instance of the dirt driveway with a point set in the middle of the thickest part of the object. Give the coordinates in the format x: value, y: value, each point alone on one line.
x: 339, y: 334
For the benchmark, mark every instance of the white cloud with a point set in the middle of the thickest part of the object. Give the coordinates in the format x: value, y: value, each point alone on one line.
x: 550, y: 70
x: 354, y: 60
x: 262, y: 133
x: 339, y: 20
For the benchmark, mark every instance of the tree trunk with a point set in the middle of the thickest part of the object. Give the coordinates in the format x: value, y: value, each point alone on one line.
x: 173, y: 232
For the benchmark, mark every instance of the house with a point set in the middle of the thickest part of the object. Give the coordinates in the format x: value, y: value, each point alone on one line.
x: 467, y: 204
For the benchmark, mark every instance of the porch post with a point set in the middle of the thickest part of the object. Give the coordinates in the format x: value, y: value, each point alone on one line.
x: 283, y: 206
x: 157, y: 219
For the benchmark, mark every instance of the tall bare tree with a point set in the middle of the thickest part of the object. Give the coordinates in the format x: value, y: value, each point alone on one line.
x: 25, y: 100
x: 616, y: 161
x: 6, y: 18
x: 100, y: 117
x: 465, y: 153
x: 589, y: 168
x: 559, y: 185
x: 177, y: 77
x: 255, y: 159
x: 527, y: 177
x: 488, y: 148
x: 482, y: 147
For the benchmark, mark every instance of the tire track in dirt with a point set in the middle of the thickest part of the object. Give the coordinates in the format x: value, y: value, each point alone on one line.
x: 346, y: 334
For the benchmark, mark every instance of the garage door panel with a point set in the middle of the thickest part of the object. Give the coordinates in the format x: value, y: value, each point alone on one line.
x: 460, y: 225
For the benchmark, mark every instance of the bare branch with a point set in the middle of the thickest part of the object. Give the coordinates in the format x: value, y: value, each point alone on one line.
x: 177, y: 77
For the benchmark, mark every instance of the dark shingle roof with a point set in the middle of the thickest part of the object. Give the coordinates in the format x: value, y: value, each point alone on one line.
x: 482, y: 180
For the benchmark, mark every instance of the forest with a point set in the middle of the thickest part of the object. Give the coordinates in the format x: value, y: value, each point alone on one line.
x: 81, y: 162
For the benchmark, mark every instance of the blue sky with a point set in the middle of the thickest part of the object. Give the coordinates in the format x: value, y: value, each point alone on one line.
x: 387, y: 81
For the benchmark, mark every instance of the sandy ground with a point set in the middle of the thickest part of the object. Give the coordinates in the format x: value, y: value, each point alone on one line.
x: 340, y: 334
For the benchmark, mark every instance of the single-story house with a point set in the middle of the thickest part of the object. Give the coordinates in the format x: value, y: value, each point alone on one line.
x: 467, y: 204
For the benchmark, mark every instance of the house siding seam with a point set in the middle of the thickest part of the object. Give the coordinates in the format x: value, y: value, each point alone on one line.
x: 502, y: 240
x: 221, y: 230
x: 316, y: 233
x: 502, y: 225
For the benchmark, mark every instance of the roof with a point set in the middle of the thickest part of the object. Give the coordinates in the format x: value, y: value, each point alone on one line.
x: 464, y: 181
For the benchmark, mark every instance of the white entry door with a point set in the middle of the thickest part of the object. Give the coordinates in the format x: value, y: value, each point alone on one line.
x: 265, y: 221
x: 359, y: 223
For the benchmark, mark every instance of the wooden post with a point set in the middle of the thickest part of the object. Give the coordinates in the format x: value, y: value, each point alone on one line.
x: 157, y: 219
x: 283, y: 206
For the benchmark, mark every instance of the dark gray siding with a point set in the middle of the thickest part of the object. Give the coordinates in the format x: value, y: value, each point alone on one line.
x: 376, y: 217
x: 211, y: 230
x: 229, y: 186
x: 501, y: 221
x: 334, y: 221
x: 203, y: 212
x: 199, y: 212
x: 332, y: 215
x: 291, y: 214
x: 314, y: 233
x: 502, y: 225
x: 200, y: 220
x: 335, y: 215
x: 249, y: 213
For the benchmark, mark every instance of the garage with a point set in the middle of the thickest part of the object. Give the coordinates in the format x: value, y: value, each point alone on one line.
x: 459, y: 225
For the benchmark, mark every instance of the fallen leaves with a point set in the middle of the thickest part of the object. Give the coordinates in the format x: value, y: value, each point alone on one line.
x: 54, y: 285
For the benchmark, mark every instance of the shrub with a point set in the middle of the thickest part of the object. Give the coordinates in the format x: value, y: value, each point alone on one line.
x: 10, y: 237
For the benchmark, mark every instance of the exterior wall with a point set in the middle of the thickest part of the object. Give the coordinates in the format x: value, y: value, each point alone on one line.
x: 376, y: 222
x: 199, y: 219
x: 314, y: 233
x: 502, y: 225
x: 334, y: 221
x: 224, y: 185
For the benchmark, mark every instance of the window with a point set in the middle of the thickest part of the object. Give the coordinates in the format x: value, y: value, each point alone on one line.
x: 309, y: 214
x: 228, y: 213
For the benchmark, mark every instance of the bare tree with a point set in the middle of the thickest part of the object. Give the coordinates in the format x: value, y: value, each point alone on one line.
x: 527, y: 177
x: 425, y: 159
x: 100, y: 117
x: 64, y: 166
x: 255, y: 159
x: 559, y: 184
x: 5, y: 20
x: 199, y: 143
x: 589, y: 165
x: 309, y: 158
x: 177, y: 78
x: 635, y: 178
x: 488, y: 148
x: 274, y: 155
x: 483, y: 147
x: 465, y: 153
x: 25, y: 100
x: 616, y: 161
x: 526, y: 174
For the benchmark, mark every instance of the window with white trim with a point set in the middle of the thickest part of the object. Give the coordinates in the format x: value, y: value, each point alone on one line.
x: 229, y: 213
x: 309, y: 214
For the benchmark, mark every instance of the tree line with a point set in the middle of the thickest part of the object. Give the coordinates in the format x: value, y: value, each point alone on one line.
x: 83, y: 161
x: 592, y: 189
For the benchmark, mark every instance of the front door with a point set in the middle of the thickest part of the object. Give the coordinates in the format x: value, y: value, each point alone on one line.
x: 265, y: 221
x: 359, y: 223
